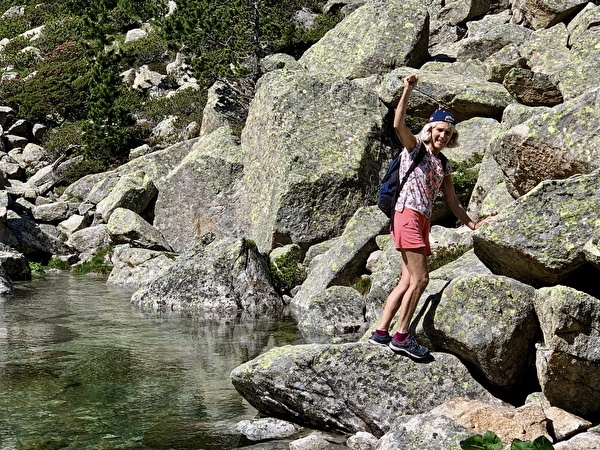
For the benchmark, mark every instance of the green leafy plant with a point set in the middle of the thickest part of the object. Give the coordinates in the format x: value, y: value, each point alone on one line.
x: 489, y: 441
x: 97, y: 264
x: 37, y: 270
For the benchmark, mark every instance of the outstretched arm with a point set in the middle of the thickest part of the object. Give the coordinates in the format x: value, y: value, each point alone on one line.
x: 454, y: 204
x: 402, y: 131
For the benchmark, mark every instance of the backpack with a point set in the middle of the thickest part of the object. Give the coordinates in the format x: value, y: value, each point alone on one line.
x: 391, y: 184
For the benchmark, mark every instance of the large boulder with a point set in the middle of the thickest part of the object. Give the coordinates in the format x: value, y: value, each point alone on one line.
x: 489, y: 323
x: 349, y: 387
x: 568, y: 361
x: 545, y: 13
x: 377, y: 37
x: 539, y: 238
x: 226, y: 275
x: 554, y: 144
x: 466, y: 96
x: 137, y: 267
x: 344, y: 261
x: 311, y: 154
x: 203, y: 193
x: 133, y: 191
x: 127, y: 227
x: 582, y: 73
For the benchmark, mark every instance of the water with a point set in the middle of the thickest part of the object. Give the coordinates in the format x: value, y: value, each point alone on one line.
x: 81, y: 368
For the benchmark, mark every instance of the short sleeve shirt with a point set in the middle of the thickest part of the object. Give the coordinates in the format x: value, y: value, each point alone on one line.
x: 423, y: 183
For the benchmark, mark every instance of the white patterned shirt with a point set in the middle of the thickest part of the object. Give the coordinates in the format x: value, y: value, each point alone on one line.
x: 423, y: 183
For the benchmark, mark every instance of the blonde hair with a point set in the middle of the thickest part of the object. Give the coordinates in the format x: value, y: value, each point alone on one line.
x: 425, y: 134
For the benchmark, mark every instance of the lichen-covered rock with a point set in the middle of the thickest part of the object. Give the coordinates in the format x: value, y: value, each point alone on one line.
x: 377, y: 37
x: 334, y: 316
x: 582, y: 73
x: 539, y: 238
x: 488, y: 322
x: 568, y: 362
x: 349, y: 387
x: 545, y: 13
x: 481, y: 98
x: 203, y: 193
x: 532, y: 88
x: 137, y: 267
x: 487, y: 41
x: 133, y: 191
x: 343, y: 262
x: 226, y: 275
x: 311, y: 154
x: 127, y: 227
x: 424, y: 431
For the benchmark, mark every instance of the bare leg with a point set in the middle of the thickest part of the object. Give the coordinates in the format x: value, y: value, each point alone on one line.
x: 415, y: 262
x: 394, y: 299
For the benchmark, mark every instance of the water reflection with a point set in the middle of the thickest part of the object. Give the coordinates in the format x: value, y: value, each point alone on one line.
x: 80, y: 368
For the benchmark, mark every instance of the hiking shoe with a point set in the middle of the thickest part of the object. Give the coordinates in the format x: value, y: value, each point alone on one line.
x: 409, y: 348
x: 380, y: 340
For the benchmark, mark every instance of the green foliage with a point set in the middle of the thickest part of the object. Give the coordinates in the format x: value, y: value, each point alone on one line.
x: 57, y: 91
x: 445, y: 255
x: 465, y: 173
x: 363, y: 285
x: 489, y: 441
x: 59, y: 264
x: 97, y: 264
x: 228, y: 39
x: 37, y: 270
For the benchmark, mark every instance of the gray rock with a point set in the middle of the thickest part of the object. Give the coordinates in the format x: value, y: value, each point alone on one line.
x: 539, y: 238
x: 462, y: 11
x: 333, y: 316
x: 127, y: 227
x: 502, y: 61
x: 26, y: 237
x: 72, y: 224
x: 90, y: 239
x: 14, y: 265
x: 545, y: 13
x: 481, y: 99
x: 324, y: 386
x: 582, y: 73
x: 532, y: 88
x: 225, y: 275
x: 490, y: 40
x: 137, y: 267
x: 279, y: 61
x: 265, y: 429
x: 214, y: 196
x: 286, y: 267
x: 588, y: 441
x: 225, y: 105
x: 568, y: 362
x: 300, y: 172
x: 488, y: 322
x: 343, y: 262
x: 434, y: 431
x: 133, y: 191
x: 51, y: 212
x: 376, y: 38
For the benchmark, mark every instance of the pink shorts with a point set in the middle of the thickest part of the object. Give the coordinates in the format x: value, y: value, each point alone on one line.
x: 411, y: 230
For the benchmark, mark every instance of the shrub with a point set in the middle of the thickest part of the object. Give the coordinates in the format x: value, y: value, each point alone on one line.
x: 489, y: 441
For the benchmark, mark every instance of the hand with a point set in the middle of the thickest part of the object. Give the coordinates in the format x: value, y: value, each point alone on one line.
x: 481, y: 222
x: 411, y: 81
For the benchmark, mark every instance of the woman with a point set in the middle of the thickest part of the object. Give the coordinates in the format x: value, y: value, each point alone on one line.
x: 411, y: 219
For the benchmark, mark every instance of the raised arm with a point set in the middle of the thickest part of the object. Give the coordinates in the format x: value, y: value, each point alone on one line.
x: 402, y: 131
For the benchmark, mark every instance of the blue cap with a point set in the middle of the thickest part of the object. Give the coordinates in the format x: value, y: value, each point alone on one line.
x: 442, y: 115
